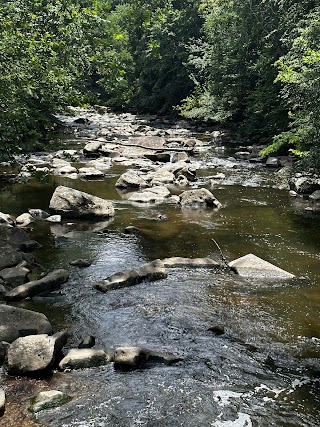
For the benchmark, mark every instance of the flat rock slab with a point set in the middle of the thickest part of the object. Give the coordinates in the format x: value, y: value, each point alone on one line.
x: 16, y: 322
x: 190, y: 262
x: 48, y: 283
x: 84, y: 358
x: 252, y: 266
x: 151, y: 271
x: 48, y: 399
x: 72, y: 203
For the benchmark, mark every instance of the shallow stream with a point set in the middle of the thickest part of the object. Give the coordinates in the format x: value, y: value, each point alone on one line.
x: 263, y: 371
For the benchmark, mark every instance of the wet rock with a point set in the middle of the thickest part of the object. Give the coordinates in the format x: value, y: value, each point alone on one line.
x: 2, y: 401
x: 273, y: 162
x: 6, y: 219
x: 30, y: 246
x: 92, y: 149
x: 34, y: 354
x: 3, y: 351
x: 90, y: 173
x: 161, y: 177
x: 106, y: 151
x: 54, y: 218
x: 101, y: 165
x: 82, y: 263
x: 158, y: 156
x: 60, y: 163
x: 49, y: 283
x: 293, y: 193
x: 315, y: 196
x: 48, y: 399
x: 14, y: 322
x: 199, y: 198
x: 180, y: 156
x: 150, y: 195
x: 242, y: 155
x: 127, y: 358
x: 131, y: 179
x: 252, y: 266
x: 73, y: 203
x: 131, y: 230
x: 151, y: 271
x: 66, y: 170
x: 217, y: 330
x: 304, y: 185
x: 84, y: 358
x: 154, y: 142
x: 17, y: 275
x: 24, y: 220
x: 190, y: 262
x: 87, y: 342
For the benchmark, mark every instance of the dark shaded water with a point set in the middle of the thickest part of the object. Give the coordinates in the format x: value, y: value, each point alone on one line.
x: 264, y: 371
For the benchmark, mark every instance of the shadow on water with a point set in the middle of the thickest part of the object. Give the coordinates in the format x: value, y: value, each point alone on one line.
x: 263, y: 371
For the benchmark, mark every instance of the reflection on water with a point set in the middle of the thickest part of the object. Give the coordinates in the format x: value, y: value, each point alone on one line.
x: 263, y: 371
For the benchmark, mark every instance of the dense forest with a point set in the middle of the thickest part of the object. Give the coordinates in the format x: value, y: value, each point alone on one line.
x: 253, y: 65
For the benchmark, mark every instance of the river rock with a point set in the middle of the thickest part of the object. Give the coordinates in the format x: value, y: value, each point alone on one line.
x: 90, y: 173
x: 190, y: 262
x: 82, y: 263
x: 6, y: 219
x: 48, y: 399
x: 34, y: 354
x: 131, y: 229
x: 54, y: 219
x: 49, y: 283
x: 24, y: 220
x: 131, y: 179
x: 151, y: 195
x: 315, y: 196
x: 158, y: 156
x: 87, y: 342
x: 273, y: 162
x: 101, y: 165
x: 76, y: 204
x: 3, y: 351
x: 304, y: 185
x: 16, y: 322
x: 252, y: 266
x: 151, y: 271
x: 136, y: 357
x: 162, y: 176
x: 84, y: 358
x: 17, y: 275
x: 180, y: 156
x: 92, y: 149
x: 2, y: 401
x: 66, y: 170
x: 199, y: 198
x: 38, y: 214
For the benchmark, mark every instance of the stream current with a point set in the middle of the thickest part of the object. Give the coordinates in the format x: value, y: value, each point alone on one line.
x: 263, y: 371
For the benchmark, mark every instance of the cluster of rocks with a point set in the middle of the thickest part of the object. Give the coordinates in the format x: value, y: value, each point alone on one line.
x: 306, y: 186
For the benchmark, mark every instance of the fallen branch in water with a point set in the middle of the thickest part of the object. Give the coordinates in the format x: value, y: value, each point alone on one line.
x: 221, y: 254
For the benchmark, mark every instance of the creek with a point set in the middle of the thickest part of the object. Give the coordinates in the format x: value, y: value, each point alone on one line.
x: 263, y: 371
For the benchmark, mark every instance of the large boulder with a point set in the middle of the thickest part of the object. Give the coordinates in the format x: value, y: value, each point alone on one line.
x: 84, y: 358
x: 252, y: 266
x: 34, y: 354
x: 151, y: 271
x: 49, y: 283
x: 76, y: 204
x: 136, y: 357
x: 16, y: 322
x: 199, y: 198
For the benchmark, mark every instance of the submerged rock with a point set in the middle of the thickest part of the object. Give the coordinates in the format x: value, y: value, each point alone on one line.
x: 151, y: 271
x: 252, y: 266
x: 34, y: 354
x: 80, y: 358
x: 48, y: 283
x: 190, y: 262
x: 16, y: 322
x: 48, y: 399
x: 87, y: 342
x: 76, y: 204
x: 82, y: 263
x: 136, y: 357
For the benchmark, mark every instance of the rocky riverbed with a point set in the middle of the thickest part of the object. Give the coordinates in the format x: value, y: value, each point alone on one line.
x: 120, y: 232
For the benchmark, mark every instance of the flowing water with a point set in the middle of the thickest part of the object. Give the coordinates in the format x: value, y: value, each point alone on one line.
x: 263, y: 371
